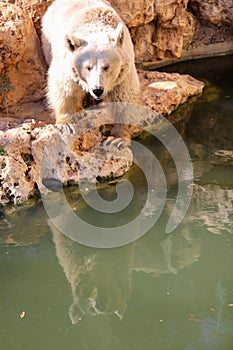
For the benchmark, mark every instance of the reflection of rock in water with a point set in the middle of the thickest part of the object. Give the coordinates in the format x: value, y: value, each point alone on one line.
x: 210, y: 145
x: 175, y: 252
x: 213, y: 206
x: 100, y: 280
x: 22, y: 225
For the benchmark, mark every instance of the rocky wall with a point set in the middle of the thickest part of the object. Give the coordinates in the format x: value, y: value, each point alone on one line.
x: 162, y: 31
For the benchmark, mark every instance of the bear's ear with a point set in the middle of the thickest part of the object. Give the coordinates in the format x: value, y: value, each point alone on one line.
x: 118, y: 34
x: 73, y: 44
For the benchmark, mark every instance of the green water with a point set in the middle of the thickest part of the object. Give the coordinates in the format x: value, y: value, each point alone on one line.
x: 164, y: 291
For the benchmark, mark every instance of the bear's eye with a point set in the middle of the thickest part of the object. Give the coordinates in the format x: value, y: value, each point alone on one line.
x: 106, y: 67
x: 88, y: 68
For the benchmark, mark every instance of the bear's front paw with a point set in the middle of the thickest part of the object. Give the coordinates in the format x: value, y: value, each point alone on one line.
x: 118, y: 142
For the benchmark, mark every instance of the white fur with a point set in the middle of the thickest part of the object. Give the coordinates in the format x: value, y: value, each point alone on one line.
x: 87, y: 45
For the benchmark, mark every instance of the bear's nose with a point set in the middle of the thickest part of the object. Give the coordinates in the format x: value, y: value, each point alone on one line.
x: 98, y: 91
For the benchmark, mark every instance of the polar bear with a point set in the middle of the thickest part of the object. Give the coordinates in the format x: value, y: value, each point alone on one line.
x: 89, y: 50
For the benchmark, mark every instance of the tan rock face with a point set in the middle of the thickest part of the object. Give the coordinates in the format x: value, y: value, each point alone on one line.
x: 215, y: 11
x: 22, y: 67
x: 184, y: 29
x: 34, y: 8
x: 135, y: 13
x: 166, y: 31
x: 143, y: 38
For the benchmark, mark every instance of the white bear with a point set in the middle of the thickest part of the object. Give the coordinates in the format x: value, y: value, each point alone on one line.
x: 89, y: 50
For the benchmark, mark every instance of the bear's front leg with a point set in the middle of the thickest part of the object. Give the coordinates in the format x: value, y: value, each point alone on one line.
x: 65, y: 97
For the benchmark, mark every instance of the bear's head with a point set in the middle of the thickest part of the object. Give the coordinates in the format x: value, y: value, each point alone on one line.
x: 99, y: 61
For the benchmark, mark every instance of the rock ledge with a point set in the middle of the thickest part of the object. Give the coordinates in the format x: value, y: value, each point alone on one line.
x: 32, y: 151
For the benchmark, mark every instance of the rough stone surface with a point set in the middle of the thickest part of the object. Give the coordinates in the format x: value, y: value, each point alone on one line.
x: 214, y: 11
x: 33, y: 151
x: 34, y: 8
x: 179, y: 29
x: 158, y: 88
x: 135, y: 13
x: 22, y: 67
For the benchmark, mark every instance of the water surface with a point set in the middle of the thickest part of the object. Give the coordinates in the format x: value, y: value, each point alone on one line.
x: 164, y: 291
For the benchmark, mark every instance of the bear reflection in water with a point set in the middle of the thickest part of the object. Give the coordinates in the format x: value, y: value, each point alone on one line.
x: 101, y: 279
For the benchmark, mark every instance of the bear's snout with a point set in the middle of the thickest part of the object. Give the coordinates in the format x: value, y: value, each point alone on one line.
x: 98, y: 92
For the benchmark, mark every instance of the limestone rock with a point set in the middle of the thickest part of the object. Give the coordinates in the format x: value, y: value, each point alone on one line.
x: 34, y: 8
x: 37, y: 155
x: 16, y: 184
x: 158, y: 88
x: 167, y: 31
x: 22, y: 67
x: 175, y: 31
x: 184, y: 29
x: 58, y: 159
x: 215, y: 11
x: 143, y: 39
x: 135, y: 13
